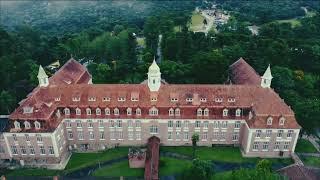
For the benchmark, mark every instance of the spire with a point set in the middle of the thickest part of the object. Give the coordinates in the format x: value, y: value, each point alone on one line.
x: 154, y: 76
x: 266, y: 78
x: 42, y: 77
x: 154, y: 68
x: 42, y: 73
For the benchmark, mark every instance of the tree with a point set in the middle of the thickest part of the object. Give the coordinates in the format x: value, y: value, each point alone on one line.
x: 264, y: 166
x: 7, y: 102
x: 200, y: 169
x: 195, y: 139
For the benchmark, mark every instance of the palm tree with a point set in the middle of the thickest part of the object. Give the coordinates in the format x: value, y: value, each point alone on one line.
x: 195, y: 139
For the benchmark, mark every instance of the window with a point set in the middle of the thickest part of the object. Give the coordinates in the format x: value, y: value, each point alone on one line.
x: 222, y: 135
x: 106, y: 99
x: 286, y: 145
x: 88, y: 110
x: 130, y: 135
x: 98, y: 111
x: 153, y: 111
x: 224, y: 124
x: 116, y: 111
x: 23, y: 150
x: 178, y: 124
x: 269, y: 132
x: 16, y: 125
x: 31, y: 149
x: 134, y: 99
x: 101, y: 134
x: 39, y: 138
x: 178, y: 136
x: 27, y: 137
x: 215, y: 135
x: 138, y: 135
x: 66, y: 111
x: 199, y: 112
x: 154, y: 99
x: 57, y: 99
x: 27, y: 125
x: 153, y: 129
x: 78, y: 111
x: 119, y: 123
x: 138, y: 111
x: 100, y: 121
x: 258, y: 133
x: 186, y: 136
x: 218, y: 99
x: 277, y: 146
x: 203, y: 99
x: 216, y: 125
x: 120, y: 135
x: 174, y: 99
x: 91, y: 135
x: 177, y: 112
x: 237, y: 124
x: 238, y: 112
x: 79, y: 124
x: 130, y: 124
x: 171, y: 112
x: 51, y: 151
x: 231, y: 99
x: 281, y: 121
x: 107, y: 111
x: 68, y: 123
x: 112, y: 135
x: 90, y: 124
x: 235, y: 136
x: 92, y: 99
x: 37, y: 125
x: 42, y: 150
x: 289, y: 134
x: 80, y: 135
x: 280, y: 133
x: 197, y: 124
x: 14, y: 150
x: 204, y: 136
x: 206, y: 112
x: 225, y: 113
x: 121, y: 99
x: 189, y: 99
x: 269, y: 121
x: 169, y: 135
x: 265, y: 145
x: 27, y: 110
x: 70, y: 135
x: 111, y: 123
x: 170, y: 124
x: 138, y: 124
x: 76, y: 99
x: 186, y: 124
x: 129, y: 111
x: 205, y: 124
x: 255, y: 146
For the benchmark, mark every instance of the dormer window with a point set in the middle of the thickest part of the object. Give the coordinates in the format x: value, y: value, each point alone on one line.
x: 98, y: 111
x: 177, y: 112
x: 174, y: 99
x: 171, y: 112
x: 78, y: 111
x: 116, y: 111
x: 225, y: 113
x: 107, y: 111
x: 27, y: 110
x: 281, y: 121
x: 121, y: 99
x: 269, y: 121
x: 238, y: 112
x: 138, y: 111
x: 189, y: 99
x: 129, y: 111
x: 134, y: 99
x: 154, y: 99
x: 27, y: 125
x: 153, y: 111
x: 16, y: 125
x: 76, y: 99
x: 37, y: 125
x: 66, y: 111
x: 88, y: 110
x: 199, y: 112
x: 206, y: 112
x: 231, y: 100
x: 218, y: 99
x: 57, y: 99
x: 106, y: 99
x: 92, y: 99
x: 203, y: 99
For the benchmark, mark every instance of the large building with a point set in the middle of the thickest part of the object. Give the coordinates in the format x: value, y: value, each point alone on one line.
x: 67, y: 112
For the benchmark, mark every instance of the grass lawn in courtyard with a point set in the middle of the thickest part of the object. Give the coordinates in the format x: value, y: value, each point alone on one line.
x: 119, y: 169
x: 305, y: 146
x: 311, y: 161
x: 196, y: 21
x: 170, y: 166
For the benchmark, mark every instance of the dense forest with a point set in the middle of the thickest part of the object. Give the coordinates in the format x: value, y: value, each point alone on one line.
x: 110, y: 48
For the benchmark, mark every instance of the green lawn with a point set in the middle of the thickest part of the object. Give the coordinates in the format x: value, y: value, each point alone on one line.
x: 196, y: 21
x: 169, y: 166
x: 141, y: 41
x: 32, y: 172
x: 305, y: 146
x: 311, y: 161
x: 294, y: 22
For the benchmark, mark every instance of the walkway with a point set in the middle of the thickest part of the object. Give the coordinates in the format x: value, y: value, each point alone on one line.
x: 151, y: 171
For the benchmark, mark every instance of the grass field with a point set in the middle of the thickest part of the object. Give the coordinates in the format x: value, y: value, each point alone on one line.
x: 196, y: 21
x: 141, y: 41
x: 294, y: 22
x: 305, y: 146
x: 311, y: 161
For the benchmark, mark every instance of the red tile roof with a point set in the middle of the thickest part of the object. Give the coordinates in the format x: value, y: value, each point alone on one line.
x: 240, y: 72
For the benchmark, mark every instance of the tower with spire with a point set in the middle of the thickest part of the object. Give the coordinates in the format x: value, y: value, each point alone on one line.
x: 154, y: 76
x: 266, y: 78
x: 42, y: 77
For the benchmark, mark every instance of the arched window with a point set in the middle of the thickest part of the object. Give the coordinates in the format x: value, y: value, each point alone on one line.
x: 116, y: 111
x: 206, y: 112
x: 269, y: 121
x: 88, y: 111
x: 27, y: 125
x: 153, y: 111
x: 177, y: 112
x: 78, y: 111
x: 37, y: 125
x: 107, y: 111
x: 16, y: 125
x: 238, y: 112
x: 98, y: 111
x: 199, y: 112
x: 66, y: 111
x: 281, y: 121
x: 225, y: 113
x: 138, y: 111
x: 129, y: 111
x: 171, y: 112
